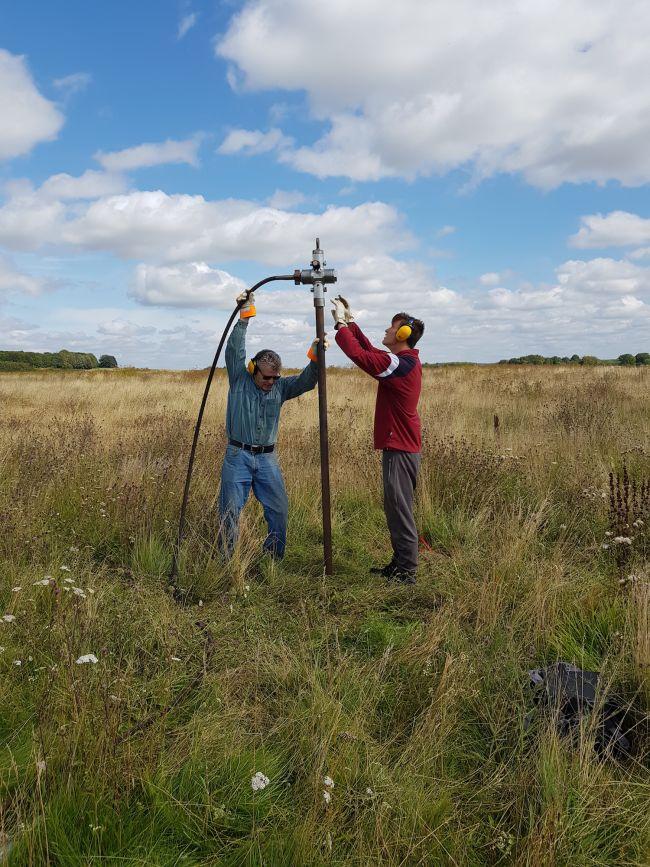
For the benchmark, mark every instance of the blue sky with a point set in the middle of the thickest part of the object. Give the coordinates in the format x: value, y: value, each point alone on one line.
x: 157, y: 157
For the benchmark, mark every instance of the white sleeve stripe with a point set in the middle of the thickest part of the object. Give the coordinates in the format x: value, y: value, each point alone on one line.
x: 394, y: 361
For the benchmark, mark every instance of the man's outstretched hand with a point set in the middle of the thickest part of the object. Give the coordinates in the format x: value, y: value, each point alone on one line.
x: 247, y: 310
x: 341, y: 312
x: 312, y: 353
x: 349, y: 317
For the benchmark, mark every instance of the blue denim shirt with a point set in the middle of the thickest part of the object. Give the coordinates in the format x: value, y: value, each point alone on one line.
x: 252, y: 416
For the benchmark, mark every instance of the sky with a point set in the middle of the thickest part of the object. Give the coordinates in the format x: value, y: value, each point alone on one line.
x: 481, y: 164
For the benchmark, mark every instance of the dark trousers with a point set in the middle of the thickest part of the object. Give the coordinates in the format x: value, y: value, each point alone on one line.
x: 400, y: 471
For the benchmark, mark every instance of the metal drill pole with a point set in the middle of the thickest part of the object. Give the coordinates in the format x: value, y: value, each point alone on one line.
x: 319, y: 304
x: 324, y: 442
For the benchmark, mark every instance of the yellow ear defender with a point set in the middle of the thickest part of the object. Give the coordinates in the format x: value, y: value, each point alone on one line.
x: 404, y: 331
x: 250, y: 367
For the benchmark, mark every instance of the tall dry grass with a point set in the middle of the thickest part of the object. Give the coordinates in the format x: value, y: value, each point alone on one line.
x: 412, y: 700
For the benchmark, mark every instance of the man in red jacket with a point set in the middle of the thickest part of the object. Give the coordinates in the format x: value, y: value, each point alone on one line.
x: 398, y: 372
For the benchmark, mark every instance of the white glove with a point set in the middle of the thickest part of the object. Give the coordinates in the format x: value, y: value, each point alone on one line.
x: 348, y: 313
x: 248, y: 307
x: 339, y: 313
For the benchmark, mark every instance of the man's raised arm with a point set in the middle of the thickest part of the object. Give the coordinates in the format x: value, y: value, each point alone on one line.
x: 294, y: 386
x: 355, y: 344
x: 236, y: 346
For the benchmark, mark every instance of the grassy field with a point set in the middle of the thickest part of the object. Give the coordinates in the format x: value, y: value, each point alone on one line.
x: 411, y: 701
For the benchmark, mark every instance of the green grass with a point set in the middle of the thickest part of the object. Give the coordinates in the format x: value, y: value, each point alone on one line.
x: 413, y: 700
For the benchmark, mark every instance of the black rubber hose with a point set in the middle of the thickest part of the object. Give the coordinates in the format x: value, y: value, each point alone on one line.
x: 177, y: 593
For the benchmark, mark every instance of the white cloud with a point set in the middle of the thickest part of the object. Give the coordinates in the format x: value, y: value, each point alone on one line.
x: 72, y: 84
x: 286, y: 199
x: 253, y: 142
x: 641, y: 253
x: 157, y: 227
x: 186, y: 23
x: 616, y: 229
x: 123, y: 328
x: 194, y: 284
x: 27, y: 117
x: 14, y: 281
x: 490, y: 279
x: 603, y: 277
x: 90, y: 185
x: 444, y: 231
x: 547, y: 89
x: 151, y: 154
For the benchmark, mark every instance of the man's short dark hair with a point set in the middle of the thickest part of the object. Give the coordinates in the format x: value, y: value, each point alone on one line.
x: 417, y: 326
x: 268, y: 356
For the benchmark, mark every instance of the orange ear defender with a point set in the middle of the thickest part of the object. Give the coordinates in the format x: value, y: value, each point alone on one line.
x: 251, y: 367
x: 404, y: 331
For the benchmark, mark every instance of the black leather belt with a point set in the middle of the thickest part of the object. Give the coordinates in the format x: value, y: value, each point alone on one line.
x: 256, y: 450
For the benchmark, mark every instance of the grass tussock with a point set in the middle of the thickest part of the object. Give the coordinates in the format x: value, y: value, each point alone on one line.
x: 392, y: 725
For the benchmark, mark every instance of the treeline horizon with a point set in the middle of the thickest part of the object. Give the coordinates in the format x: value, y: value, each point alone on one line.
x: 624, y: 360
x: 18, y: 360
x: 62, y: 360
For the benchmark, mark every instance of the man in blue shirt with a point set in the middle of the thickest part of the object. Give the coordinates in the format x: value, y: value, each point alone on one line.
x: 255, y: 397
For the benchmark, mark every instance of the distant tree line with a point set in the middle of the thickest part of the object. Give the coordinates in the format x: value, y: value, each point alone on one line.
x: 626, y: 360
x: 63, y: 360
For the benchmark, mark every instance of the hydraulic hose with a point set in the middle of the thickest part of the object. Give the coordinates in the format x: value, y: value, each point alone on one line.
x: 177, y: 592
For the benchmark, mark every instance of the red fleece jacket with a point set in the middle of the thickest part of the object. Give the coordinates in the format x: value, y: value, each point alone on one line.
x: 397, y: 423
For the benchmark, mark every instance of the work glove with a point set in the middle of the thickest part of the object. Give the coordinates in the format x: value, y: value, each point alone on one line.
x: 312, y: 353
x: 339, y: 312
x: 247, y: 310
x: 348, y: 313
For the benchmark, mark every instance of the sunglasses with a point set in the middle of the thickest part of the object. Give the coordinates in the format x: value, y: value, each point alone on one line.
x: 273, y: 378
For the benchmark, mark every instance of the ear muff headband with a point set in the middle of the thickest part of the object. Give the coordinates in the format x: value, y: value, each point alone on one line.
x: 404, y: 331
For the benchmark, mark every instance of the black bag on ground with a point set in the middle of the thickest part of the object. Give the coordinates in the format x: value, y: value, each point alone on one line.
x: 572, y: 694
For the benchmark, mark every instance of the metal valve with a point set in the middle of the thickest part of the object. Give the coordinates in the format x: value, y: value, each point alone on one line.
x: 309, y: 276
x: 317, y: 276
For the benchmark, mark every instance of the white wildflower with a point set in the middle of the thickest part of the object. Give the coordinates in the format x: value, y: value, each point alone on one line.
x: 16, y: 589
x: 638, y: 523
x: 622, y: 540
x: 18, y: 662
x: 605, y: 545
x: 87, y: 657
x: 65, y: 568
x: 327, y: 797
x: 259, y: 781
x: 200, y: 603
x: 562, y: 526
x: 2, y: 650
x: 176, y: 659
x: 608, y: 532
x: 78, y: 592
x: 44, y: 582
x: 369, y: 791
x: 8, y: 618
x: 68, y: 580
x: 329, y: 782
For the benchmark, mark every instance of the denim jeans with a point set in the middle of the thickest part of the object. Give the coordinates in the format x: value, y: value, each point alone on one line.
x: 242, y: 471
